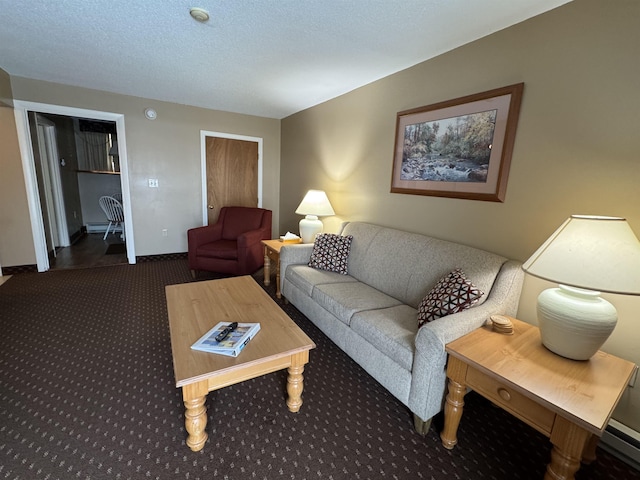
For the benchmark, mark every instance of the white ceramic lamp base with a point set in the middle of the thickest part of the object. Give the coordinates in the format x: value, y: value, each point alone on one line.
x: 574, y: 323
x: 310, y: 226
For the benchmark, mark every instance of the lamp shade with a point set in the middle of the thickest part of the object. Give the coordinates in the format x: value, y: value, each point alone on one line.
x: 592, y: 252
x: 315, y: 202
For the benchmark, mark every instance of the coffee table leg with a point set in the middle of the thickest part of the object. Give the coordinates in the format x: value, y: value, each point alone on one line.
x: 195, y: 415
x: 295, y: 382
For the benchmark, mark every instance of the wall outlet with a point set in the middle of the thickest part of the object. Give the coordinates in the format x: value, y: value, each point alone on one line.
x: 153, y: 183
x: 164, y: 232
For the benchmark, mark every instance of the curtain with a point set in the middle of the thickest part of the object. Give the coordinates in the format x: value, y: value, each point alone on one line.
x: 94, y: 154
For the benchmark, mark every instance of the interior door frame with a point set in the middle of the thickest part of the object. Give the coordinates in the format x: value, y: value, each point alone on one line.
x: 52, y: 179
x: 21, y: 109
x: 203, y: 161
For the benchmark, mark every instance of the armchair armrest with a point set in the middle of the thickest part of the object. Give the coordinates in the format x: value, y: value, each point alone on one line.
x: 201, y: 235
x: 247, y: 239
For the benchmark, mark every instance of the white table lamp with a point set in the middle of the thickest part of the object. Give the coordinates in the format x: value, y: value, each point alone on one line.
x: 585, y: 256
x: 314, y: 204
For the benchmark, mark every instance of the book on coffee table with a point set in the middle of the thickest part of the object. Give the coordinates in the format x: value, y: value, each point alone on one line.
x: 234, y: 341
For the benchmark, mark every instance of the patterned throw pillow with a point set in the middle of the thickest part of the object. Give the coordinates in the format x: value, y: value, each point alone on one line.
x: 452, y: 294
x: 331, y: 252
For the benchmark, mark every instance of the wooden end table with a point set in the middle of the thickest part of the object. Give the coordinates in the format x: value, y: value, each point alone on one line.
x: 272, y: 254
x: 194, y: 308
x: 569, y: 401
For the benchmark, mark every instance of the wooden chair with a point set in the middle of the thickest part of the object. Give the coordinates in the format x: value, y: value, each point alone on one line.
x: 112, y: 208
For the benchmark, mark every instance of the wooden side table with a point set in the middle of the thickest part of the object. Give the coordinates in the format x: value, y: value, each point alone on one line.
x: 569, y: 401
x: 272, y: 254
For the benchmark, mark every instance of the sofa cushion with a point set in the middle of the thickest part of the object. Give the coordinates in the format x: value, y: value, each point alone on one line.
x: 391, y: 330
x: 343, y: 300
x: 453, y: 293
x: 331, y: 252
x: 227, y: 249
x: 306, y: 278
x: 407, y: 265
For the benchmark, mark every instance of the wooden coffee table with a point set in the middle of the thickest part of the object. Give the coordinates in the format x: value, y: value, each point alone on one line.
x: 194, y: 308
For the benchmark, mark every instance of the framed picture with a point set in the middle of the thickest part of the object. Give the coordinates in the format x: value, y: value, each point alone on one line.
x: 460, y: 148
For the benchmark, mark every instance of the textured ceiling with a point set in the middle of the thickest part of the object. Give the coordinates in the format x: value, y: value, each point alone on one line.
x: 269, y: 58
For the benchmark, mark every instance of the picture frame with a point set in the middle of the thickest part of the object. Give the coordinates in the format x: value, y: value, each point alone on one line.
x: 459, y: 148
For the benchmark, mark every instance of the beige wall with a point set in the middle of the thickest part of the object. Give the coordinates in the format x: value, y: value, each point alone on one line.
x: 576, y: 148
x: 6, y: 96
x: 14, y: 209
x: 168, y: 149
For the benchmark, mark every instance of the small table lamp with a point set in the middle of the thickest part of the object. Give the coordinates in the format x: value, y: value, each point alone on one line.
x: 585, y: 254
x: 314, y: 204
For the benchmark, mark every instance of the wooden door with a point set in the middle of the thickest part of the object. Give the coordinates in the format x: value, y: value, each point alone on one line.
x: 232, y: 174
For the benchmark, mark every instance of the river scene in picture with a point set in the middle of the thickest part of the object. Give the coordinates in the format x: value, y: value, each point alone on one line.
x: 454, y: 149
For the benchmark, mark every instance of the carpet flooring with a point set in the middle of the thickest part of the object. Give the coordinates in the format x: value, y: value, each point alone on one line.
x: 87, y: 392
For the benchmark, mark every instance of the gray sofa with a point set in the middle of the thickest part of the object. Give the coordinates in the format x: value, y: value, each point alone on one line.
x: 371, y: 313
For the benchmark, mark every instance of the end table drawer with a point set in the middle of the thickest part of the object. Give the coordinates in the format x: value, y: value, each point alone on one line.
x: 514, y: 402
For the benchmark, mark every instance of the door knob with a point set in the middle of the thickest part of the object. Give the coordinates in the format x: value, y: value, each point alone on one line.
x: 210, y: 207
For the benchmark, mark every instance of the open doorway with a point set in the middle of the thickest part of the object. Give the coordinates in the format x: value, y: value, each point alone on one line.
x: 65, y: 181
x: 77, y: 163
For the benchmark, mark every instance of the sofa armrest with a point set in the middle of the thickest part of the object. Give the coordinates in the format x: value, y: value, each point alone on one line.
x: 503, y: 299
x: 429, y: 363
x: 294, y: 254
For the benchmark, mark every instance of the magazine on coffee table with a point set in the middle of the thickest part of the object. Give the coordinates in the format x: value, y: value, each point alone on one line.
x: 234, y: 341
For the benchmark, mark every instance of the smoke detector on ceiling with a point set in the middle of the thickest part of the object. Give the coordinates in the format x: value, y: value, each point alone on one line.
x: 150, y: 113
x: 199, y: 14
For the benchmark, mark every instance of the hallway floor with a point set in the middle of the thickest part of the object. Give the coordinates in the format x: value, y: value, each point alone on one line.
x: 89, y: 251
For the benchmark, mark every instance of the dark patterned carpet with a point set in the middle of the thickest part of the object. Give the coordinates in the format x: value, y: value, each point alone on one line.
x: 87, y: 392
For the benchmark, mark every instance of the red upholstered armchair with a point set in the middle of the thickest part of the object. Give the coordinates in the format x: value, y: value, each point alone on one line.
x: 232, y: 245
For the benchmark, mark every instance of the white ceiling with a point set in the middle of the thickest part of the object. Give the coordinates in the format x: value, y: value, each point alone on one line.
x: 268, y: 58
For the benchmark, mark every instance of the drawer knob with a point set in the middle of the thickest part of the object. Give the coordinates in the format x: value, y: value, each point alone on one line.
x: 504, y: 394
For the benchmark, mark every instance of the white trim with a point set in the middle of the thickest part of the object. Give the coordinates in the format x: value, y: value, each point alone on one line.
x: 51, y: 146
x: 26, y: 152
x: 203, y: 162
x: 33, y: 196
x: 51, y: 219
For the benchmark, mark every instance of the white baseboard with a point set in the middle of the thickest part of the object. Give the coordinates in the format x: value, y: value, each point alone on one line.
x: 100, y: 228
x: 622, y: 442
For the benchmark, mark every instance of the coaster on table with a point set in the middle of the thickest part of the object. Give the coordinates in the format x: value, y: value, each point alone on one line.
x: 502, y: 324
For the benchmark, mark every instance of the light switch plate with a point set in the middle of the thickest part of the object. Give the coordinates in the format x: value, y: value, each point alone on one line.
x: 153, y: 183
